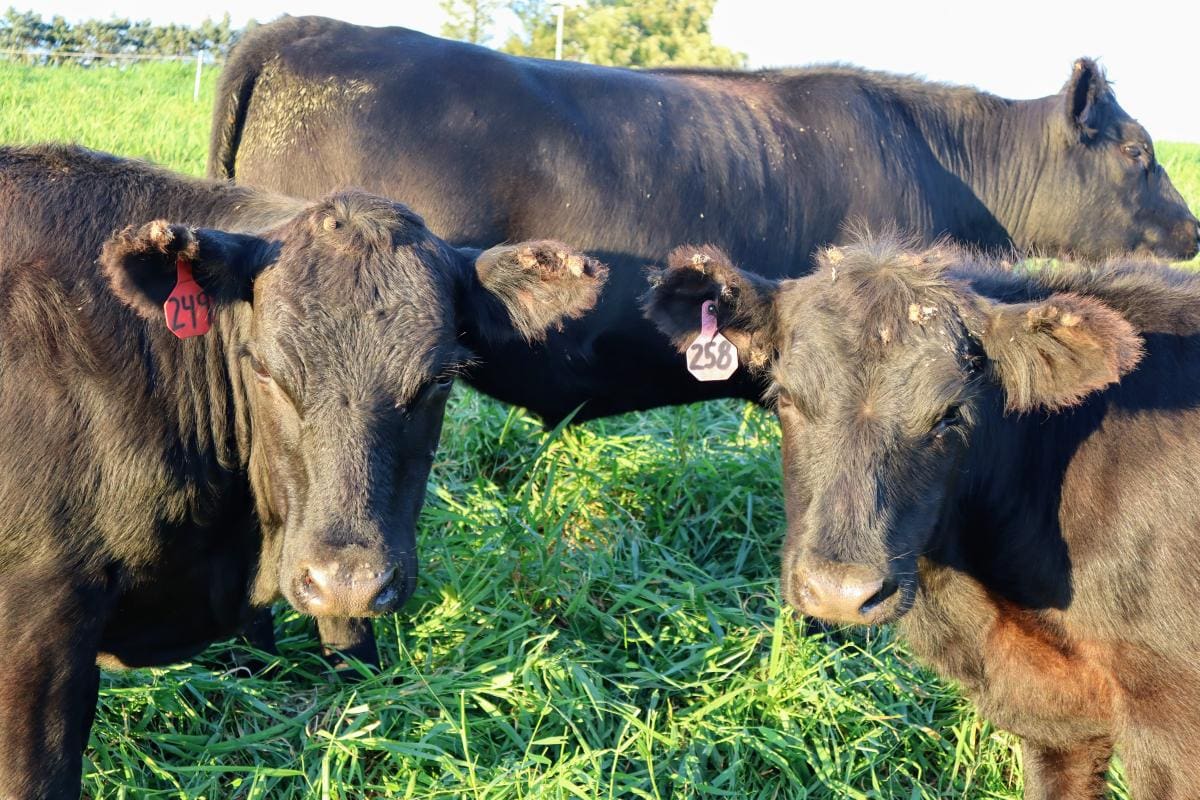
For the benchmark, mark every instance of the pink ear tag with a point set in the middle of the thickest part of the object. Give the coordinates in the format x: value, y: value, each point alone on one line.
x: 710, y: 356
x: 187, y: 306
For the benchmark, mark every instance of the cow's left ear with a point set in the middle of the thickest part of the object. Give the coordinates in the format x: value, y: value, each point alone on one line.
x: 745, y: 301
x: 141, y: 264
x: 524, y: 290
x: 1054, y: 353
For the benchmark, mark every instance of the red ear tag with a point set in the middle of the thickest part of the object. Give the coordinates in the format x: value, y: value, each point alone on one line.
x: 710, y: 356
x: 187, y: 307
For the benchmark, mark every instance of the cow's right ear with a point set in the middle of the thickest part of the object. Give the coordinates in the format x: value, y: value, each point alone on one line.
x: 745, y: 301
x: 1087, y: 94
x: 141, y: 264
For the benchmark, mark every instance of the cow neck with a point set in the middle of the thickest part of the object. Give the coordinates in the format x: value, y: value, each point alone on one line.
x: 200, y: 379
x: 1002, y: 525
x: 979, y: 141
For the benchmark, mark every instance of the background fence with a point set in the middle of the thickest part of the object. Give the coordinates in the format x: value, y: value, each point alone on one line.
x: 120, y: 60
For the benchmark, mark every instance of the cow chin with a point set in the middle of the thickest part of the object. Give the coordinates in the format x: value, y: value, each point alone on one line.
x: 850, y: 594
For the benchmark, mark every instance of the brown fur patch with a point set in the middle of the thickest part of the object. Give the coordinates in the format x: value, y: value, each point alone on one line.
x: 1035, y: 671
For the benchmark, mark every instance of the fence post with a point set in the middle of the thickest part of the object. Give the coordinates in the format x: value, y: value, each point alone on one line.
x: 199, y: 66
x: 559, y: 9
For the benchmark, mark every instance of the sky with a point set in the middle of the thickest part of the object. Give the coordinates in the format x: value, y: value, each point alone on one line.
x: 1017, y: 48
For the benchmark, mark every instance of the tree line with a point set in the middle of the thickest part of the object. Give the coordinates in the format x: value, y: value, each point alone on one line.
x: 631, y: 33
x: 28, y: 32
x: 626, y: 33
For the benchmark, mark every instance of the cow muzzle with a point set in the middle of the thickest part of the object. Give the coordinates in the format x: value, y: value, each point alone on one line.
x: 845, y: 593
x: 349, y: 589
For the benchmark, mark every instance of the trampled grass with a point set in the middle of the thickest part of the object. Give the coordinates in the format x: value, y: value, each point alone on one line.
x: 597, y: 617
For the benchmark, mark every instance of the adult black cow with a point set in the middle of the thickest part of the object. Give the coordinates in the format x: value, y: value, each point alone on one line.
x: 768, y: 165
x: 1008, y: 465
x: 155, y: 489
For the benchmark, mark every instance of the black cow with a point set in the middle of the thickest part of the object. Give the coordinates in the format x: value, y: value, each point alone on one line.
x: 155, y: 489
x: 1009, y: 465
x: 768, y: 165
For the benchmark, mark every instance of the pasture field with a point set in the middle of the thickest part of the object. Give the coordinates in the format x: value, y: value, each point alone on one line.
x: 597, y: 616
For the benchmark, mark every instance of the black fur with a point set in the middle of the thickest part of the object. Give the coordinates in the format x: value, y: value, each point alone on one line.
x: 769, y: 166
x: 1006, y: 464
x: 157, y: 491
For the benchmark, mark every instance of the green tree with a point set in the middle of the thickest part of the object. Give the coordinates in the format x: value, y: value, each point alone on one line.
x: 469, y: 20
x: 27, y: 31
x: 627, y: 33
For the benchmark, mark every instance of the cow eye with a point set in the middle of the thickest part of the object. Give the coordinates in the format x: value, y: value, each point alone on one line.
x: 951, y: 418
x: 1132, y: 151
x: 260, y: 371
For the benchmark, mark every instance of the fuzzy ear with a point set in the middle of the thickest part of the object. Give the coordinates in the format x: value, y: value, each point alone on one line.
x: 525, y: 289
x: 1087, y: 94
x: 1054, y: 353
x: 695, y: 274
x: 141, y: 264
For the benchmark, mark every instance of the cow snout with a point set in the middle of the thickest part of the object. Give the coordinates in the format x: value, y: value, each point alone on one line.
x: 332, y: 589
x: 846, y: 593
x: 1189, y: 240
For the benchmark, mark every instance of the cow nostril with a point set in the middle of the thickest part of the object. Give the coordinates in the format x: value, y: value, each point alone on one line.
x: 889, y: 587
x: 317, y: 579
x: 388, y: 593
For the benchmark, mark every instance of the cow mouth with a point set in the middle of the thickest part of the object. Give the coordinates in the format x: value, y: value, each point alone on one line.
x: 1171, y: 247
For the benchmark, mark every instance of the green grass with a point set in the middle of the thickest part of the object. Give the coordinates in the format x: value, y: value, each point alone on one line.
x: 597, y: 615
x: 145, y: 110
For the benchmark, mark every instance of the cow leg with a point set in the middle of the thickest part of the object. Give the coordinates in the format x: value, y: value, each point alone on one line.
x: 1076, y: 772
x: 1162, y: 760
x: 348, y: 636
x: 48, y: 683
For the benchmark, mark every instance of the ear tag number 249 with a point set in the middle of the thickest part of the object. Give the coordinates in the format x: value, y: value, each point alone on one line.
x: 710, y: 356
x: 187, y: 306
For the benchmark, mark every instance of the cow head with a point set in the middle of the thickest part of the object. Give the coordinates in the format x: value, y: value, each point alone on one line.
x: 1100, y: 190
x: 882, y: 368
x: 341, y: 333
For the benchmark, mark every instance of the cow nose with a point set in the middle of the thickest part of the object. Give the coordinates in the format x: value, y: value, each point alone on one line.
x: 1191, y: 237
x: 332, y: 589
x: 847, y: 593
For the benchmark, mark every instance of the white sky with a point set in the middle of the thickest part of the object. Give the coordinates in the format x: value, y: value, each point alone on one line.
x: 1018, y: 48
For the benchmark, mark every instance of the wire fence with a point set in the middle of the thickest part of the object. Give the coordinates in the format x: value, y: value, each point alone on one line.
x: 51, y: 57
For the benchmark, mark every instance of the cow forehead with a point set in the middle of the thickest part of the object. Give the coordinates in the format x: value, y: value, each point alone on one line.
x: 874, y: 317
x: 389, y: 347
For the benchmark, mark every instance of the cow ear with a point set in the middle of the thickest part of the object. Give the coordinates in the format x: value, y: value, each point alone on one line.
x: 694, y: 275
x: 1053, y: 354
x: 140, y: 264
x: 1087, y: 92
x: 524, y: 290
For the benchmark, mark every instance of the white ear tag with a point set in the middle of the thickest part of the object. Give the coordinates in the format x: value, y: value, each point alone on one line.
x: 710, y: 356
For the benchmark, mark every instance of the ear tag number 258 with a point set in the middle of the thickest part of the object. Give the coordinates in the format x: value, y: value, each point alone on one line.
x: 710, y: 356
x: 187, y: 306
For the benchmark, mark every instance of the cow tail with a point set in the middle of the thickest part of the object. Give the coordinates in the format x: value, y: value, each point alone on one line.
x: 229, y: 114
